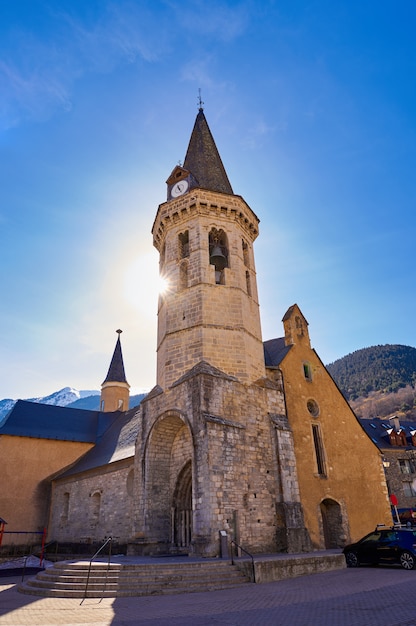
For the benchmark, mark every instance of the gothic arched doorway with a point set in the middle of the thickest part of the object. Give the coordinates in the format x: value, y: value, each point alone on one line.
x: 167, y: 473
x: 182, y: 508
x: 332, y: 523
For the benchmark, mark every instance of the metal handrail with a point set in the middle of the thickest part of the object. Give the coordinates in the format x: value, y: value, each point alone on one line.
x: 234, y: 543
x: 41, y: 559
x: 107, y: 541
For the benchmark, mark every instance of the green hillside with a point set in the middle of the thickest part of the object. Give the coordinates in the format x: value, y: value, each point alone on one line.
x: 385, y: 369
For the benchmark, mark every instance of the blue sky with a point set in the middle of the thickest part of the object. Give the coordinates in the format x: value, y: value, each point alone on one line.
x: 313, y: 108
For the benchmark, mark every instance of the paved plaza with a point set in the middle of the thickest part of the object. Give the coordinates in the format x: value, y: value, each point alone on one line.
x: 379, y: 596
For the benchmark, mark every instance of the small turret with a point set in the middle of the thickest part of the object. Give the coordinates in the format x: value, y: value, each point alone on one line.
x: 296, y: 327
x: 115, y: 388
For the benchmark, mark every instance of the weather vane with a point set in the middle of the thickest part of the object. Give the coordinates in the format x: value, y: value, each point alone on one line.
x: 200, y: 103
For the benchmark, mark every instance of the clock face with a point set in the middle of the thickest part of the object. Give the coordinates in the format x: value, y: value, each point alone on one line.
x: 179, y: 188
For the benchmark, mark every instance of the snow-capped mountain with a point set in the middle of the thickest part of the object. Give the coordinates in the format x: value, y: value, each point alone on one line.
x: 69, y: 397
x: 63, y: 397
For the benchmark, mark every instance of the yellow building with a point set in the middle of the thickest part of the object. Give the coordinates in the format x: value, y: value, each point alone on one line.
x: 341, y: 478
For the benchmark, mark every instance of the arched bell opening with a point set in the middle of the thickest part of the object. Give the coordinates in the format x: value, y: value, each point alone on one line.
x: 218, y: 253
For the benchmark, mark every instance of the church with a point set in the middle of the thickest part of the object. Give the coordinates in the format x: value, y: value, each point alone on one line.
x: 240, y: 437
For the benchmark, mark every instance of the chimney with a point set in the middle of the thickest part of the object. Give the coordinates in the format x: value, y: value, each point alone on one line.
x: 396, y: 423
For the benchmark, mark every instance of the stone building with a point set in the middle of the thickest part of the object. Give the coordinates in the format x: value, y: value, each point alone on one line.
x: 395, y: 436
x: 250, y: 438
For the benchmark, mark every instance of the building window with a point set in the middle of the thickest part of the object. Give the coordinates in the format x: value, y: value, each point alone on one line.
x: 184, y: 245
x: 248, y: 283
x: 307, y: 371
x: 95, y: 507
x: 313, y: 408
x: 245, y: 253
x: 65, y: 507
x: 397, y: 438
x: 319, y: 450
x: 405, y: 466
x: 408, y: 490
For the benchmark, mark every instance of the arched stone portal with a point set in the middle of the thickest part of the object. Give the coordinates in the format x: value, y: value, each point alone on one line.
x: 182, y: 508
x: 332, y: 524
x: 168, y: 482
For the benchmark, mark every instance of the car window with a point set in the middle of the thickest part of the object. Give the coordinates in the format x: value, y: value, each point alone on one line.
x: 372, y: 537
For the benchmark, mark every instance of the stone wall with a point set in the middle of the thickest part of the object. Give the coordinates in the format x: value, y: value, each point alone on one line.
x: 95, y: 505
x: 226, y: 430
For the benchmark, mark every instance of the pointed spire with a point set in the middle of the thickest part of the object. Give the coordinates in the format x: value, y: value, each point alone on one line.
x: 203, y: 160
x: 116, y: 370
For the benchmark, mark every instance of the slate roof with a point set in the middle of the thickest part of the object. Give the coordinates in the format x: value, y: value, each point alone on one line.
x: 116, y: 444
x: 274, y: 351
x: 202, y: 158
x: 45, y: 421
x: 377, y: 428
x: 116, y: 371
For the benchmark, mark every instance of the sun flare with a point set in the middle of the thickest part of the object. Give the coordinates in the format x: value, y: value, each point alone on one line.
x: 163, y: 285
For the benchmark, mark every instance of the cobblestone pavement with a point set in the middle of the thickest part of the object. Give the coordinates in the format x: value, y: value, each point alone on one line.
x: 378, y: 596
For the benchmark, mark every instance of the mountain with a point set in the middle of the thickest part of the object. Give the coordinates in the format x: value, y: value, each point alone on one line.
x: 69, y: 397
x: 378, y: 381
x: 378, y: 368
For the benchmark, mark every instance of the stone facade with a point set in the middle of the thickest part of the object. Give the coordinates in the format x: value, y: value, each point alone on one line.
x: 198, y: 319
x: 91, y: 506
x: 240, y: 458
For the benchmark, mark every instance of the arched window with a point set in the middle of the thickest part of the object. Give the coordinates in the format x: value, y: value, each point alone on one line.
x: 245, y: 253
x: 248, y: 283
x: 183, y: 241
x: 319, y: 450
x: 218, y: 253
x: 95, y: 507
x: 65, y: 507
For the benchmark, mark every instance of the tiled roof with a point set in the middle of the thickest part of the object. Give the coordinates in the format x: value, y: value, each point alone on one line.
x: 203, y: 160
x: 45, y: 421
x: 377, y: 430
x: 116, y: 444
x: 274, y: 351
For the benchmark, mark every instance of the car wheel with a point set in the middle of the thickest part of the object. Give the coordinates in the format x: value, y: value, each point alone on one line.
x: 407, y: 560
x: 352, y: 559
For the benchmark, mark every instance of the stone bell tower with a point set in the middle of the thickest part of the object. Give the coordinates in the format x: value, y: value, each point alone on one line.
x: 204, y: 234
x: 214, y: 453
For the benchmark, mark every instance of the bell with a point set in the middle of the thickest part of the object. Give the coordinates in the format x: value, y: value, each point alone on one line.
x: 217, y: 258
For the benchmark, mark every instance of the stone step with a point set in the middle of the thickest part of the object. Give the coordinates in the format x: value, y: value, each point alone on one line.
x: 67, y: 579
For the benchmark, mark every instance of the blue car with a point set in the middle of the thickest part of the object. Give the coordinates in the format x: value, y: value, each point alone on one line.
x: 384, y: 546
